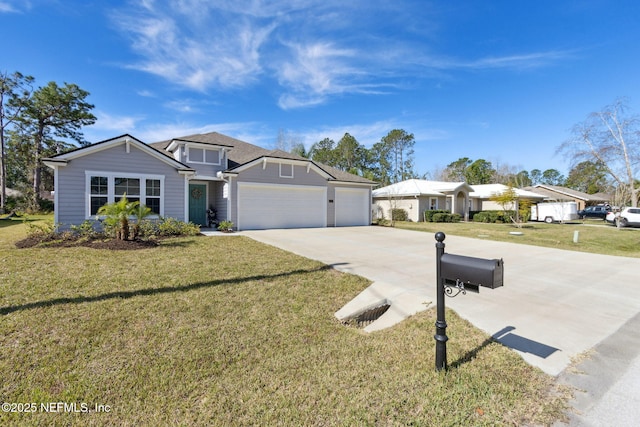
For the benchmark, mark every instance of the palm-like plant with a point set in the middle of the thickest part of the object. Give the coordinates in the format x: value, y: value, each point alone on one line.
x: 117, y: 215
x: 140, y: 212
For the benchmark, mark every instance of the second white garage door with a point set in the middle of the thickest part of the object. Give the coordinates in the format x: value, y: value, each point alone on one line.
x: 352, y: 207
x: 264, y: 206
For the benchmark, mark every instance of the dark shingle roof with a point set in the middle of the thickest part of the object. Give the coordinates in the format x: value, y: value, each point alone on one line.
x: 242, y: 152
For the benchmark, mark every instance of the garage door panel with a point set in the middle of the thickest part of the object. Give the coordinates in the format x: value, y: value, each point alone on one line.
x: 281, y: 206
x: 352, y: 206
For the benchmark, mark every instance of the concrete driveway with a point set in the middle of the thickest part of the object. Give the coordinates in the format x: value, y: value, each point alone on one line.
x: 555, y: 304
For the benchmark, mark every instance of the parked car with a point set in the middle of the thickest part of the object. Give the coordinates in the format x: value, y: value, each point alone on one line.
x: 627, y: 217
x: 599, y: 211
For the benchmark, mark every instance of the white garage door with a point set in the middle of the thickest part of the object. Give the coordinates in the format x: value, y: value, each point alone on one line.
x: 263, y: 206
x: 352, y: 206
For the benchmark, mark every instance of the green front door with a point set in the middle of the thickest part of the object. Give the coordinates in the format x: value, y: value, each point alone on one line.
x: 198, y: 204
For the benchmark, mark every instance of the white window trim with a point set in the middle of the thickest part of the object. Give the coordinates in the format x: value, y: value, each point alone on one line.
x: 284, y: 175
x: 435, y: 205
x: 204, y: 155
x: 111, y: 197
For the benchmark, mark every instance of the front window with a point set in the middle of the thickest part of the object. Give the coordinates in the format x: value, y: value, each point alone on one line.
x: 129, y: 187
x: 153, y: 195
x: 105, y: 187
x: 99, y: 193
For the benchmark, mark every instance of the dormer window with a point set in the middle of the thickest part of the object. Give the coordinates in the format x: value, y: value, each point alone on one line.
x: 203, y: 156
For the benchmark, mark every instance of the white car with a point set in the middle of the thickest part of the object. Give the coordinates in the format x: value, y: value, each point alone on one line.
x: 627, y: 217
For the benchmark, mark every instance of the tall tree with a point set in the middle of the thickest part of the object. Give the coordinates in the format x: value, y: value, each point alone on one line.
x: 536, y: 176
x: 54, y: 111
x: 552, y: 177
x: 520, y: 180
x: 588, y: 177
x: 398, y: 146
x: 299, y: 150
x: 455, y: 171
x: 350, y: 155
x: 479, y: 172
x: 610, y: 136
x: 324, y: 152
x: 15, y: 91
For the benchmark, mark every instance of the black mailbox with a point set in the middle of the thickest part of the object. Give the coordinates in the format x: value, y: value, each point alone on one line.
x: 472, y: 272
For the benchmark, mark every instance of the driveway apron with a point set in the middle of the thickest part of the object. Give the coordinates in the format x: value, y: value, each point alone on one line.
x: 555, y: 304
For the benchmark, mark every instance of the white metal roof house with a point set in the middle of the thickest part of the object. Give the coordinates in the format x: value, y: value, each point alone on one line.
x: 480, y: 197
x: 180, y: 178
x: 417, y: 195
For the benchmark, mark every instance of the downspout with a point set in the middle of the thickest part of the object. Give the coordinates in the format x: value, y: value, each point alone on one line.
x: 55, y: 198
x: 222, y: 176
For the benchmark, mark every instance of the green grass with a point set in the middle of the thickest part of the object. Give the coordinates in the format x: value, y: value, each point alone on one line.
x: 593, y: 237
x: 228, y: 331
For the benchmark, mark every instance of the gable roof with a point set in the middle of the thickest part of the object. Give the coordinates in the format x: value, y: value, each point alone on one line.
x: 420, y: 187
x: 242, y: 153
x: 126, y: 139
x: 486, y: 191
x: 555, y: 192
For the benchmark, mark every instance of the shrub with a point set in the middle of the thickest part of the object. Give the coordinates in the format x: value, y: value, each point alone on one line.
x: 41, y: 230
x: 86, y: 229
x: 446, y: 217
x: 399, y: 214
x: 174, y: 227
x: 493, y: 216
x: 429, y: 214
x: 225, y: 226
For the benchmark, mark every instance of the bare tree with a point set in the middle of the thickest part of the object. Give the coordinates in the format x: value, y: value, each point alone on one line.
x: 611, y: 137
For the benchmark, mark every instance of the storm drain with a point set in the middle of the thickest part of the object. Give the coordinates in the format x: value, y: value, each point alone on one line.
x: 367, y: 317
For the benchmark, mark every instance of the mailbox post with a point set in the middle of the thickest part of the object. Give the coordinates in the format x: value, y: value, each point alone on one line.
x: 461, y: 274
x: 441, y: 325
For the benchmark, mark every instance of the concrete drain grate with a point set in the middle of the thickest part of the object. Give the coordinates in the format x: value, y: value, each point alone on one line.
x: 367, y: 317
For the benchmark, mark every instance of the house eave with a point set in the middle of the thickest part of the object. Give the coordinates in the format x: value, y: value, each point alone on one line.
x: 54, y: 163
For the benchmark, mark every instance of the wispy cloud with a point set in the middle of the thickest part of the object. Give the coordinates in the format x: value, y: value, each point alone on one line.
x: 315, y: 50
x: 14, y: 6
x: 519, y: 61
x: 111, y: 123
x: 192, y: 47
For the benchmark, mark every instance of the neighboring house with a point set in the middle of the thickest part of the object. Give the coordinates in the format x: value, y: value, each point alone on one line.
x: 481, y: 196
x: 181, y: 178
x: 417, y: 195
x: 554, y: 193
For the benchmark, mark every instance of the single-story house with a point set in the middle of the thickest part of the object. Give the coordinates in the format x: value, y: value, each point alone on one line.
x: 417, y: 195
x: 480, y: 197
x: 182, y: 177
x: 554, y: 193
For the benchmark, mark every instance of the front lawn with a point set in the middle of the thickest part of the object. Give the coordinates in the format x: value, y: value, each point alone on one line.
x: 593, y: 236
x: 228, y: 331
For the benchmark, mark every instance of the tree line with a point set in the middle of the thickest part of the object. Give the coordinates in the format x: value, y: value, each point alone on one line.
x: 392, y: 160
x: 36, y: 123
x: 604, y: 151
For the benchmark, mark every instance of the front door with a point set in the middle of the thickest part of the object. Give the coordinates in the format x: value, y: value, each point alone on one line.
x: 198, y: 204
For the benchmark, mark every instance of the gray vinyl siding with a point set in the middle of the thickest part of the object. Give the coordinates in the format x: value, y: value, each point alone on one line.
x: 71, y: 185
x: 219, y: 201
x: 271, y: 175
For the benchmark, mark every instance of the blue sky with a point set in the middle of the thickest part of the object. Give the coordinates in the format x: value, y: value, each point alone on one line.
x: 499, y: 80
